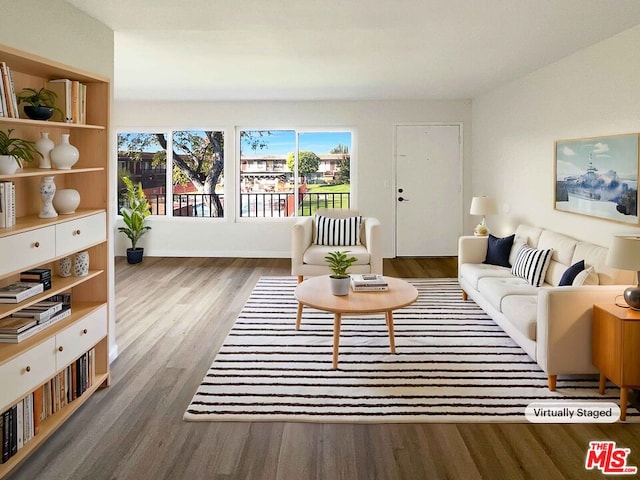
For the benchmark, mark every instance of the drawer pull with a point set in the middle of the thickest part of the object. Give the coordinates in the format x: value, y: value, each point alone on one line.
x: 77, y: 232
x: 28, y: 369
x: 36, y: 244
x: 60, y: 348
x: 85, y: 331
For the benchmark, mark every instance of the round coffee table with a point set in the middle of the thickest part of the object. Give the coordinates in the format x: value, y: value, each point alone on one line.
x: 316, y: 293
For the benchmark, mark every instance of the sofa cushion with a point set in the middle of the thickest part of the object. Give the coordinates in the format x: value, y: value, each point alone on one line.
x: 337, y: 231
x: 498, y: 250
x: 563, y: 250
x: 586, y: 277
x: 531, y: 264
x: 494, y: 289
x: 525, y: 235
x: 473, y: 272
x: 570, y: 274
x: 315, y: 254
x: 522, y: 312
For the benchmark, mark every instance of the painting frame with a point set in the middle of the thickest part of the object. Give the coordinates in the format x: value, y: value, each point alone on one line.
x: 598, y: 177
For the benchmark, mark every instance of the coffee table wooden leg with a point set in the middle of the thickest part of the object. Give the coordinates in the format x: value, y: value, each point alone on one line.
x: 392, y: 337
x: 602, y: 384
x: 624, y: 399
x: 337, y: 320
x: 299, y: 316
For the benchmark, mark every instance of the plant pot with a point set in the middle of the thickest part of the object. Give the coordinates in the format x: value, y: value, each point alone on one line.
x: 134, y: 255
x: 8, y: 165
x: 38, y: 113
x: 339, y: 285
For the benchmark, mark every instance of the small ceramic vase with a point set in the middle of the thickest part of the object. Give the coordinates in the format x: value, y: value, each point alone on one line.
x: 64, y: 267
x: 66, y: 200
x: 44, y: 145
x: 47, y: 191
x: 81, y: 264
x: 64, y: 155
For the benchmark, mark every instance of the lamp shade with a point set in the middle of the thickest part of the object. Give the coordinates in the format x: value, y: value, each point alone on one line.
x: 483, y: 206
x: 624, y: 252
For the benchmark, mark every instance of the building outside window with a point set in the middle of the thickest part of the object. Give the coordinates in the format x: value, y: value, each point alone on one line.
x: 285, y: 173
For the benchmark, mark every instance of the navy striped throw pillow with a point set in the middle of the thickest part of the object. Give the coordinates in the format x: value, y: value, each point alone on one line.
x: 337, y: 231
x: 531, y: 264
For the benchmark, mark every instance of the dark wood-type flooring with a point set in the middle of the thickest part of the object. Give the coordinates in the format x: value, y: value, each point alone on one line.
x: 172, y: 316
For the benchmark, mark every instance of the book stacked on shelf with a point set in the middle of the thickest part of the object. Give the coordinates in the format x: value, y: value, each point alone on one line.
x: 368, y: 283
x: 42, y: 275
x: 7, y: 204
x: 8, y: 99
x: 33, y: 319
x: 19, y: 291
x: 71, y: 100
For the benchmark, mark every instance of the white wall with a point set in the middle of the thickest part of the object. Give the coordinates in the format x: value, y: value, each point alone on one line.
x: 591, y: 93
x: 58, y: 31
x: 373, y: 147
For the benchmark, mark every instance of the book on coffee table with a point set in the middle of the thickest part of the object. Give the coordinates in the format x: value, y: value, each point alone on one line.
x: 368, y: 283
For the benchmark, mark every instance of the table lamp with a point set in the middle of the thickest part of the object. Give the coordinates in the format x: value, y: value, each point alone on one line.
x: 624, y: 254
x: 483, y: 206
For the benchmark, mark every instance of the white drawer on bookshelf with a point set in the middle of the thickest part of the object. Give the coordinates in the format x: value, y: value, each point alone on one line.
x: 76, y: 339
x: 24, y: 373
x: 80, y: 233
x: 27, y: 248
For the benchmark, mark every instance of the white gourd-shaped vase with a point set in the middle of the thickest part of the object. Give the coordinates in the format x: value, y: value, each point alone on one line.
x: 47, y: 191
x: 44, y: 145
x: 64, y: 155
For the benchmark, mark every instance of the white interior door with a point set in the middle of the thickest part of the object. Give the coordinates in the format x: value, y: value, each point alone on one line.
x: 428, y: 190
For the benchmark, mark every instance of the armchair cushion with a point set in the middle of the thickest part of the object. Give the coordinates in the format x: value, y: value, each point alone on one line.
x: 314, y: 255
x: 337, y: 231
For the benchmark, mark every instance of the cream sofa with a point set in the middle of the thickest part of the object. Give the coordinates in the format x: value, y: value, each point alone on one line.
x: 551, y: 323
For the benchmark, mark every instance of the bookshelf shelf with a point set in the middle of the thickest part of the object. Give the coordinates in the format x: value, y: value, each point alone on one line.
x: 29, y: 367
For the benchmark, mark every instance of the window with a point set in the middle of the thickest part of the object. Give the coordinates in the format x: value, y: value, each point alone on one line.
x: 286, y: 173
x: 195, y: 159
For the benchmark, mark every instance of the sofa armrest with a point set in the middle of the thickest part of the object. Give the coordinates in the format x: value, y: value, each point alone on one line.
x: 373, y: 242
x: 564, y: 326
x: 472, y: 249
x: 301, y: 239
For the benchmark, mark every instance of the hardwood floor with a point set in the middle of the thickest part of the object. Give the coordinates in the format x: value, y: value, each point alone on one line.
x: 172, y: 316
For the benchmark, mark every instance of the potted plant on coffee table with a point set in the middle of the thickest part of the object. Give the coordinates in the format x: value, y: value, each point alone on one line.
x: 41, y: 103
x: 339, y: 263
x: 14, y: 152
x: 134, y: 216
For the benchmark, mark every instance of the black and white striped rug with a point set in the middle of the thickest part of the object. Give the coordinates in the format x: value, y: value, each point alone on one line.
x: 453, y: 364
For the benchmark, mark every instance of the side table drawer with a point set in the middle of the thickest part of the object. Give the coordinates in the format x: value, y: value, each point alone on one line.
x: 80, y: 337
x: 24, y: 373
x: 80, y: 233
x: 27, y: 248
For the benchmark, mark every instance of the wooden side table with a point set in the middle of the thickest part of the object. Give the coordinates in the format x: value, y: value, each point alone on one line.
x: 616, y: 349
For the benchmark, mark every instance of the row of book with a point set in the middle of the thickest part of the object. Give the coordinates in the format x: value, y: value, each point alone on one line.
x: 21, y: 423
x: 7, y: 204
x: 33, y: 319
x: 71, y: 100
x: 368, y: 283
x: 8, y: 99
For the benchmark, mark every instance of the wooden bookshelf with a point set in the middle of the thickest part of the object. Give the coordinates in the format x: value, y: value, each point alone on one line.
x: 35, y: 242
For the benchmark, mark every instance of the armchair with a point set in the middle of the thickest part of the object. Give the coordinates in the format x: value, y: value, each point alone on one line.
x: 307, y: 258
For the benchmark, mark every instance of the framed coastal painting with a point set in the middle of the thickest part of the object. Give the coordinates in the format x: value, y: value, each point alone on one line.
x: 598, y: 177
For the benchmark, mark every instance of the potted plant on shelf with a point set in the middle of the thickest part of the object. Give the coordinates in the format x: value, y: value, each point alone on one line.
x: 134, y: 216
x: 41, y: 103
x: 339, y: 263
x: 14, y: 152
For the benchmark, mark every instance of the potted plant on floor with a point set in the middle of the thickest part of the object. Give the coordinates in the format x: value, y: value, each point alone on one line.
x: 134, y: 216
x: 14, y: 152
x: 339, y: 263
x: 41, y: 103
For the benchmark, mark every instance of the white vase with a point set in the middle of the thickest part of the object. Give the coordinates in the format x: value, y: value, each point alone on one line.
x: 81, y: 264
x: 8, y: 165
x: 66, y: 200
x: 47, y: 191
x: 64, y: 155
x: 44, y: 145
x: 64, y: 267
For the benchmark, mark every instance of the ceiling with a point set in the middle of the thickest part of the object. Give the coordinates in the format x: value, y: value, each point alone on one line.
x: 343, y: 49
